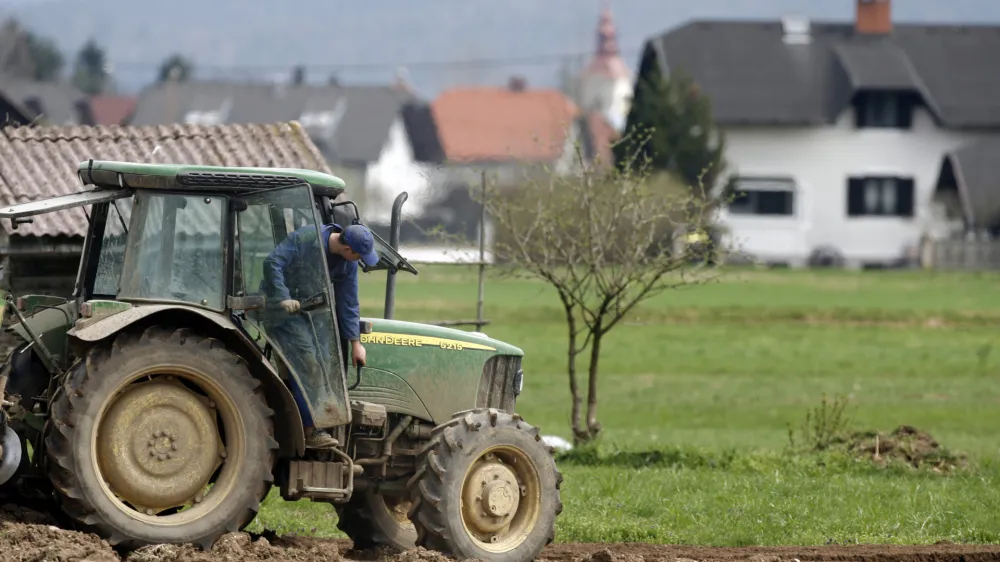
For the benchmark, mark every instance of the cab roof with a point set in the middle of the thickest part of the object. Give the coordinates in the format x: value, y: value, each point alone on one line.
x: 109, y: 173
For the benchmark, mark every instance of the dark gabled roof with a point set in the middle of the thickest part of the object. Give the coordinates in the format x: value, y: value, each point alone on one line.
x: 976, y: 169
x: 12, y: 112
x: 351, y: 124
x: 878, y: 65
x: 422, y: 131
x: 53, y: 103
x: 753, y: 76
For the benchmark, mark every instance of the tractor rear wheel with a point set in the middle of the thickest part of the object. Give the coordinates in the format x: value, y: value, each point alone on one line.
x: 486, y: 487
x: 373, y: 520
x: 161, y: 436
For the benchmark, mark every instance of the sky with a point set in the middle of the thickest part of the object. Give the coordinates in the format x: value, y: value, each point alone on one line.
x: 439, y: 42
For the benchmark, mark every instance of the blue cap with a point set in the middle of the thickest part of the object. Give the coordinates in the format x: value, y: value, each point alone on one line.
x: 360, y: 239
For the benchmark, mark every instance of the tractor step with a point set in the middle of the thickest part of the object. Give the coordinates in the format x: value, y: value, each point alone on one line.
x: 318, y: 480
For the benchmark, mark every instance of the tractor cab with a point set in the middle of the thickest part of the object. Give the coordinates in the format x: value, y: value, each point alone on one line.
x: 234, y: 242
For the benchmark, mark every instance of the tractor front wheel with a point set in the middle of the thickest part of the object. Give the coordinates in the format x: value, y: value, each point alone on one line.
x: 486, y: 487
x: 160, y: 437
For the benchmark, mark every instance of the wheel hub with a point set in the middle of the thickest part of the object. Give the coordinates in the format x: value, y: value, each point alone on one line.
x: 492, y: 497
x: 158, y: 445
x: 500, y: 499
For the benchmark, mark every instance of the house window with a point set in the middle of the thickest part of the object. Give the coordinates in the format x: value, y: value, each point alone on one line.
x: 884, y: 110
x: 763, y: 196
x: 880, y: 197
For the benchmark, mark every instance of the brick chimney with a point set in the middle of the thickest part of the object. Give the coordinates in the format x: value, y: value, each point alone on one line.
x: 873, y: 17
x: 517, y: 84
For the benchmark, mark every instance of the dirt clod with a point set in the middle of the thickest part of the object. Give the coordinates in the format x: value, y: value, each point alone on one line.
x: 606, y: 555
x: 234, y: 547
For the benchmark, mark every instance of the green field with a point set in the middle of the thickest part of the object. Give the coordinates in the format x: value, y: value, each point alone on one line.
x: 710, y: 377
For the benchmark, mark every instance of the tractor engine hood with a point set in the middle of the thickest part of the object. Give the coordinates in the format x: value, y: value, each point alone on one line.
x: 415, y: 334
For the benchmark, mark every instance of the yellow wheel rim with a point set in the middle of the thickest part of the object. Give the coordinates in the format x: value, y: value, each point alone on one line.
x: 158, y: 449
x: 501, y: 499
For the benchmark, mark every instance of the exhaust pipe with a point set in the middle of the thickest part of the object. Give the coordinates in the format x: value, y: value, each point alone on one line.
x: 10, y: 455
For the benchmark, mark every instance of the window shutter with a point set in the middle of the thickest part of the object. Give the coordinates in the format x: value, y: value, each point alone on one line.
x: 904, y: 196
x: 855, y: 197
x: 904, y: 111
x: 860, y: 107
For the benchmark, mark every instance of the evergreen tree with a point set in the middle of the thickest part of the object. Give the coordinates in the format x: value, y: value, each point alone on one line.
x: 675, y: 123
x: 177, y: 68
x: 47, y: 58
x: 90, y: 73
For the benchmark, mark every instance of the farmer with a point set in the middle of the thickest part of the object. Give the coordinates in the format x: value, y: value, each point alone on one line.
x: 292, y: 273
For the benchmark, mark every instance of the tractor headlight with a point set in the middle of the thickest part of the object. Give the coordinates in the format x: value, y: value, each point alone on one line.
x: 519, y: 381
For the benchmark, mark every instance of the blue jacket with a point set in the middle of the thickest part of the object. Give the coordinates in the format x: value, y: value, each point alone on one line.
x: 293, y: 263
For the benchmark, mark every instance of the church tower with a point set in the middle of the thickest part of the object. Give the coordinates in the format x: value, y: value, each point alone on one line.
x: 606, y: 83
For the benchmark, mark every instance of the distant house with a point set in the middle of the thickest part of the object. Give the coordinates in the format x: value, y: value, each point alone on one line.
x: 40, y: 162
x: 380, y: 139
x: 503, y: 132
x: 52, y: 103
x: 12, y: 111
x: 856, y: 139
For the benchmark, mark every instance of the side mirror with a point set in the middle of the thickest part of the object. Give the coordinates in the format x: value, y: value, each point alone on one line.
x: 357, y: 215
x: 238, y: 205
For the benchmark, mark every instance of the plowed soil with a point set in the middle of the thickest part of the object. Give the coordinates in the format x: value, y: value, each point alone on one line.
x: 27, y: 536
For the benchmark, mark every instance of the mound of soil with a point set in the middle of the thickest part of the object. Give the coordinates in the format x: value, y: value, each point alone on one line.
x: 24, y: 542
x: 905, y: 444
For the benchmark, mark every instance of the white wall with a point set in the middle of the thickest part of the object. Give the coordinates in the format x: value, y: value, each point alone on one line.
x: 820, y: 160
x: 613, y: 97
x: 395, y: 171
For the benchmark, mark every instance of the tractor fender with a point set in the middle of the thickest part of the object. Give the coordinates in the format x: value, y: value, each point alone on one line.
x: 288, y: 421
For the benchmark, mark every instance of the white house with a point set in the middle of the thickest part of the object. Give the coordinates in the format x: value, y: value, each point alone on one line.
x: 852, y: 139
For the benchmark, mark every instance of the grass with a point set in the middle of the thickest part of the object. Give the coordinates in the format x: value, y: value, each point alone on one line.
x: 718, y: 373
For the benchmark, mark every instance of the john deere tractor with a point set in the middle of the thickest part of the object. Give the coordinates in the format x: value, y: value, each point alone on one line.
x: 158, y: 402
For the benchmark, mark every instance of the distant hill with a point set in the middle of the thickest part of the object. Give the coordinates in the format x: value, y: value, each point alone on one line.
x: 371, y: 38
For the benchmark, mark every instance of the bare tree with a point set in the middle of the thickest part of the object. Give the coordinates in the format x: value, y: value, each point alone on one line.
x: 606, y: 238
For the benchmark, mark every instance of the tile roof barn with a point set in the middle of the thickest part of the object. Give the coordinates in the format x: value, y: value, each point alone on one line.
x: 41, y: 162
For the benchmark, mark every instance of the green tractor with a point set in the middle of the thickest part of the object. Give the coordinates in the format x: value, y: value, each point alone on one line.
x: 157, y: 405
